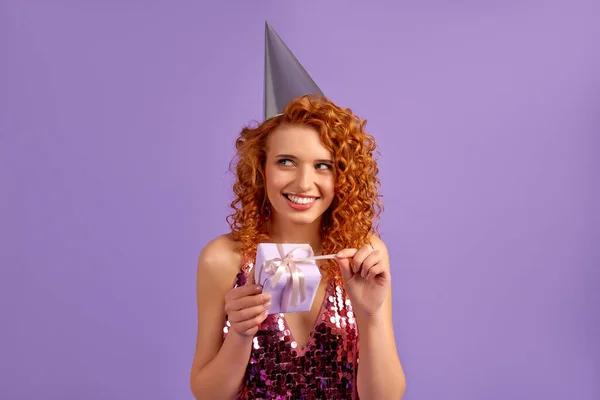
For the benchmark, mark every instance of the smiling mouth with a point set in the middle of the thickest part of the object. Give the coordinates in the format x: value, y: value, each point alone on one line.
x: 300, y: 199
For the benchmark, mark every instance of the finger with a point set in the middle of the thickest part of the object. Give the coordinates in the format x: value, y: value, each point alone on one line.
x: 243, y: 291
x: 346, y: 253
x: 252, y: 323
x: 360, y: 257
x: 248, y: 302
x: 248, y: 313
x: 345, y: 269
x: 376, y: 270
x: 343, y: 259
x: 371, y: 260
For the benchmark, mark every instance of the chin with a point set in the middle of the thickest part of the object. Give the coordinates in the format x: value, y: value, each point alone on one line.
x: 304, y: 219
x: 299, y: 219
x: 309, y: 217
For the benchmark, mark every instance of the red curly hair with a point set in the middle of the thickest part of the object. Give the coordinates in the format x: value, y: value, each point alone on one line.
x: 354, y: 213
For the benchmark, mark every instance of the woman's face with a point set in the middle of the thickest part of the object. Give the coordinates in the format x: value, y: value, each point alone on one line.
x: 299, y: 171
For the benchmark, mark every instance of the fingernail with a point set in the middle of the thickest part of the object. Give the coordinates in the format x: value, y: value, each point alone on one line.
x: 266, y: 297
x: 258, y: 287
x: 267, y: 305
x: 340, y: 254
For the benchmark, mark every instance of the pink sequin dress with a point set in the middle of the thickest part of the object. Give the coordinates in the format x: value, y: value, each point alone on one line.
x: 324, y: 369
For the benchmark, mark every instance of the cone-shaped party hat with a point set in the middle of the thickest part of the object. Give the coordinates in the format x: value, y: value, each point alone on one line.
x: 285, y: 78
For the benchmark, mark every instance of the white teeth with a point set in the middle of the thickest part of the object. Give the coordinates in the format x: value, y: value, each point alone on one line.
x: 300, y: 200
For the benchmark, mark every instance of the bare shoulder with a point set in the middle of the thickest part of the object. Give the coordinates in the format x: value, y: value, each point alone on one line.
x: 219, y: 258
x: 378, y: 244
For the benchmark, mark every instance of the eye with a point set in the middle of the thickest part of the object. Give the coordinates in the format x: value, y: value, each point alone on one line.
x: 323, y: 166
x: 285, y: 162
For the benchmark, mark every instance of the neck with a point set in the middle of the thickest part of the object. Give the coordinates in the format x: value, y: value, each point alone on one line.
x: 286, y: 232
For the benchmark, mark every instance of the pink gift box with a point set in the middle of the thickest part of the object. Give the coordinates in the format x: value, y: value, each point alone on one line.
x: 298, y: 278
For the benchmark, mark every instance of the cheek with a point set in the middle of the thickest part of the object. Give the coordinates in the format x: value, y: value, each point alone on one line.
x: 328, y: 187
x: 276, y: 181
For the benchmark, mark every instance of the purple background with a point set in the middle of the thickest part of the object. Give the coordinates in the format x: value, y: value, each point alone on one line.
x: 117, y: 122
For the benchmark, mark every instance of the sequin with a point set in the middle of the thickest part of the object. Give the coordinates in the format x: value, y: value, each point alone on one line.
x: 325, y: 368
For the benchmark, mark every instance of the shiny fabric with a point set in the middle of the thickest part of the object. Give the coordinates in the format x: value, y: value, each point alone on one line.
x: 324, y: 369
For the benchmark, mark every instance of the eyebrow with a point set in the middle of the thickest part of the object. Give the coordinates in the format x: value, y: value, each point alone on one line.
x: 290, y: 156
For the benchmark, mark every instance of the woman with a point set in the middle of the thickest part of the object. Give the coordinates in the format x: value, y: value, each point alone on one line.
x: 305, y: 176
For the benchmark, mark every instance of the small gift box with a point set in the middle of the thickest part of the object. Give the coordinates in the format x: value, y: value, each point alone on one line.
x: 289, y: 272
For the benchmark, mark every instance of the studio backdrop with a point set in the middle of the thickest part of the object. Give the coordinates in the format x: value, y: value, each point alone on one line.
x: 117, y: 126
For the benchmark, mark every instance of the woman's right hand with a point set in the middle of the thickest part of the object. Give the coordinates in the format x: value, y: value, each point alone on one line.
x: 246, y: 308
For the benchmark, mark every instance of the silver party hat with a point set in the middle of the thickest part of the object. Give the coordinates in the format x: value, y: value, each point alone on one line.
x: 285, y: 78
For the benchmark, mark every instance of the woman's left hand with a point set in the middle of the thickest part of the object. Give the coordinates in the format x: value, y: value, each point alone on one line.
x: 366, y: 277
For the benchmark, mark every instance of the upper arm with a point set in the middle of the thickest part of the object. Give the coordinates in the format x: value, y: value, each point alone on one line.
x: 217, y: 266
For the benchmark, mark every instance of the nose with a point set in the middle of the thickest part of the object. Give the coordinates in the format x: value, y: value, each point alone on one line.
x: 305, y: 178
